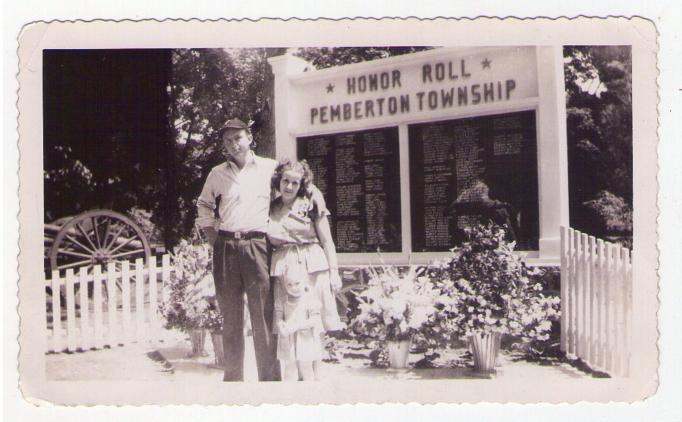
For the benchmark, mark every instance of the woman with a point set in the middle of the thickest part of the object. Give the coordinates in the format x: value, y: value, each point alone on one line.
x: 303, y: 247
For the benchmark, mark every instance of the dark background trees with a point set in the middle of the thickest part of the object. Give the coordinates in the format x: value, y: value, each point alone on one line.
x: 599, y: 122
x: 137, y: 130
x: 104, y: 127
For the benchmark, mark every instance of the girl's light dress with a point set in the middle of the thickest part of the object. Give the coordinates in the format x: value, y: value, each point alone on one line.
x: 304, y: 344
x: 298, y: 251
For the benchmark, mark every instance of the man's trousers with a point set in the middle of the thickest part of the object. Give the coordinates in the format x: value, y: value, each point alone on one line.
x: 239, y: 266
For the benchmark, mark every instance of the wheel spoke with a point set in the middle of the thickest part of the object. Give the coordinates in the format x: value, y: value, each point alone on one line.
x: 72, y: 253
x: 79, y: 244
x: 73, y: 264
x: 122, y: 245
x: 95, y: 228
x: 85, y: 235
x: 106, y: 233
x: 121, y: 227
x: 119, y: 278
x: 119, y: 267
x: 118, y: 255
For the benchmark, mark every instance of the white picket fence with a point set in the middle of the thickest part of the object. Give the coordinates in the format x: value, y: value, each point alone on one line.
x: 596, y: 302
x: 106, y: 308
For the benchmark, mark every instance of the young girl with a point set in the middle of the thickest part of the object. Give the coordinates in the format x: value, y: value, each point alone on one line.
x: 304, y: 249
x: 300, y: 329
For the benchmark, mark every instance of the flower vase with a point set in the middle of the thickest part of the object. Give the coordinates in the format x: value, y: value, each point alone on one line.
x: 485, y: 348
x: 218, y: 351
x: 398, y: 353
x: 198, y: 338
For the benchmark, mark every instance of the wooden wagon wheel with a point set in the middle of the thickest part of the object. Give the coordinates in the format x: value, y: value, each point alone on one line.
x: 97, y: 237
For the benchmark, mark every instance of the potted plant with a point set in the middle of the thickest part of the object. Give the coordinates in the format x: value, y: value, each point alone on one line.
x: 212, y: 321
x: 487, y: 291
x: 184, y: 302
x: 392, y: 308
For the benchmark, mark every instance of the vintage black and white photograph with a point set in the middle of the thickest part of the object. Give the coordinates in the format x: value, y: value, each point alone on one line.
x: 424, y: 216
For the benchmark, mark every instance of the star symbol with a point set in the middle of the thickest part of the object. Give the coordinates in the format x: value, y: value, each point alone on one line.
x: 330, y: 88
x: 486, y: 63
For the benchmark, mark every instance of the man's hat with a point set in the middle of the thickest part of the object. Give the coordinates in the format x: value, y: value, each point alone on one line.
x: 233, y: 124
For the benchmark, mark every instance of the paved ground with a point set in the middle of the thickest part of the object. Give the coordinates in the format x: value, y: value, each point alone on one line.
x: 169, y: 361
x: 124, y: 363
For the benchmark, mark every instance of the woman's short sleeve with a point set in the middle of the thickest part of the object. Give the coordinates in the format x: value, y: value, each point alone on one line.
x: 319, y: 205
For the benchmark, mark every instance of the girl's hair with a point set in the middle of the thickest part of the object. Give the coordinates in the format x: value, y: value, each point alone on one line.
x: 297, y: 166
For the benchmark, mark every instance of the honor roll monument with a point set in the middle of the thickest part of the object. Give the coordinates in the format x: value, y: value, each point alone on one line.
x: 412, y: 149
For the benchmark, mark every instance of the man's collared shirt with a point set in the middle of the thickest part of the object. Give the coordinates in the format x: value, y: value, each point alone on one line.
x: 244, y: 196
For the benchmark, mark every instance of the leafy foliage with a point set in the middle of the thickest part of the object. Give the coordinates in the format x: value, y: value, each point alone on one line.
x: 142, y: 218
x: 611, y: 211
x: 189, y: 298
x: 378, y: 357
x: 598, y: 84
x: 324, y: 57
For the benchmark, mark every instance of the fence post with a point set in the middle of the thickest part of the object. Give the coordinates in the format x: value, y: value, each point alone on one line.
x: 70, y: 312
x: 587, y: 310
x: 97, y: 304
x: 601, y: 305
x: 125, y: 298
x: 573, y: 293
x: 153, y: 299
x: 627, y: 291
x: 56, y: 312
x: 613, y: 305
x: 580, y: 280
x: 139, y: 300
x: 618, y: 308
x: 594, y: 301
x: 85, y: 338
x: 610, y: 326
x: 165, y: 275
x: 114, y: 331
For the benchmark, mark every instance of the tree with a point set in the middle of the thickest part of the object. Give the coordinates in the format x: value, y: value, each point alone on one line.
x: 104, y: 128
x: 323, y: 57
x: 598, y: 84
x: 207, y: 87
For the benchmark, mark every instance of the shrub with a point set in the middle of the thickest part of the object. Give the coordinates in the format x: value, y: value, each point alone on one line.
x: 614, y: 213
x: 484, y: 287
x: 189, y: 298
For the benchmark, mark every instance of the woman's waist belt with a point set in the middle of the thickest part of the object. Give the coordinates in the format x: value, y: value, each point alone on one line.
x: 295, y: 245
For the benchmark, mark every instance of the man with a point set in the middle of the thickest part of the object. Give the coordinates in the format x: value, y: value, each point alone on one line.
x: 240, y: 188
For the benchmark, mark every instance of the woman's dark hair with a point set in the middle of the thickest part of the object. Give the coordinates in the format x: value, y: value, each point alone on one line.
x: 297, y: 166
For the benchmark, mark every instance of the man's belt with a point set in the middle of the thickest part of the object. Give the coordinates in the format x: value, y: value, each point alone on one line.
x: 241, y: 235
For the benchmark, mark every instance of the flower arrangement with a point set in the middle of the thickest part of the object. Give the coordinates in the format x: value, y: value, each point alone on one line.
x: 211, y: 319
x: 394, y: 306
x: 485, y: 288
x: 189, y: 298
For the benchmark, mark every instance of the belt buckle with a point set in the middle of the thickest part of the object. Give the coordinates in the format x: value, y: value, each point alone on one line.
x: 237, y: 235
